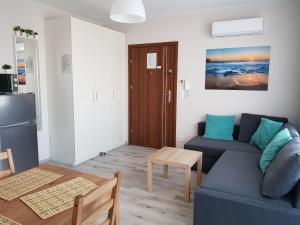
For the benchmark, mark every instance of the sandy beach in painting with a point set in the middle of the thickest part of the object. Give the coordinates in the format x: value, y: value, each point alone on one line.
x: 238, y: 82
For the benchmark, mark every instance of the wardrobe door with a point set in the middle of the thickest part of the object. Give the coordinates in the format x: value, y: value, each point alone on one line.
x: 118, y: 81
x: 102, y: 74
x: 82, y: 57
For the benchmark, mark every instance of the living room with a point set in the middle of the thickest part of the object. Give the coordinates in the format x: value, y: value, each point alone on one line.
x: 193, y: 103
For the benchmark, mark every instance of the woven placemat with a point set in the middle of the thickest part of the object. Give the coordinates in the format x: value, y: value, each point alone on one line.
x: 59, y: 198
x: 6, y: 221
x: 22, y: 183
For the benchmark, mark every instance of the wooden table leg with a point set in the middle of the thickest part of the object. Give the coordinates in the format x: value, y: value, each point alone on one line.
x: 199, y: 171
x: 117, y: 220
x: 149, y: 176
x: 165, y: 171
x: 187, y: 184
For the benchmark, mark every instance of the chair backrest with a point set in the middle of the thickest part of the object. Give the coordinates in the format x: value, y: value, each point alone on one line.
x: 7, y: 155
x: 104, y: 199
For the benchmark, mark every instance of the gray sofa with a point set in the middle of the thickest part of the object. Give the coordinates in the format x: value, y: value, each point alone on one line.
x: 231, y: 193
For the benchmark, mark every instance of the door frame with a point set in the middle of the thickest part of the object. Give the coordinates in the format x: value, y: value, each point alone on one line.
x: 174, y: 96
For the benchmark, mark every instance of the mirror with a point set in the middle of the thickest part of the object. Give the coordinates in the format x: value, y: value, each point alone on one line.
x: 27, y: 66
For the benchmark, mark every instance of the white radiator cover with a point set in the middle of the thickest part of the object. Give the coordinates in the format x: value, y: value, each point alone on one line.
x: 238, y: 27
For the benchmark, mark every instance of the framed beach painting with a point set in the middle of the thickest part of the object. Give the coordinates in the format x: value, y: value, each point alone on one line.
x: 238, y: 68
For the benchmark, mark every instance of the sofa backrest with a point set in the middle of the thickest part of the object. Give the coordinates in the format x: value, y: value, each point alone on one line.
x: 248, y: 125
x: 201, y: 130
x: 250, y: 122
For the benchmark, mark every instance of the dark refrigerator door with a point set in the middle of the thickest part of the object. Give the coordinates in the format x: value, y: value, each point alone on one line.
x: 22, y: 139
x: 16, y: 109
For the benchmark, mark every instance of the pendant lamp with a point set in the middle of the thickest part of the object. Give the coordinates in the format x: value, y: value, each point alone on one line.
x: 128, y: 11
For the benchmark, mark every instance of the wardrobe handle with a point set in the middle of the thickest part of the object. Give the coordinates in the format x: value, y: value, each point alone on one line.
x: 93, y: 96
x: 96, y: 96
x: 113, y: 95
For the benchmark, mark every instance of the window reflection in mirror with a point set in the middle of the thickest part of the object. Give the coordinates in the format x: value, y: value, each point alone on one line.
x: 27, y: 66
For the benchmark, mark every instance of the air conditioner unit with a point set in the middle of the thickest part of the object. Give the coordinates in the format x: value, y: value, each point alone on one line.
x: 238, y: 27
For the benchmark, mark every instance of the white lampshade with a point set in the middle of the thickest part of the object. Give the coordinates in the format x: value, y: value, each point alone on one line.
x: 128, y: 11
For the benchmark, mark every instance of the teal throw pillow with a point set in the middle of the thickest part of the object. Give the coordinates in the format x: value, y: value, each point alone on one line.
x: 219, y: 127
x: 280, y: 140
x: 265, y: 132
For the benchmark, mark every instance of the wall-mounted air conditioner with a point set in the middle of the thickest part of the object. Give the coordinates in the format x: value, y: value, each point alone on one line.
x: 238, y: 27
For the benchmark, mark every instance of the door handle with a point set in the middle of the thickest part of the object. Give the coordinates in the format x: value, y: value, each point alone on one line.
x: 113, y: 95
x: 93, y: 96
x: 96, y: 96
x: 169, y: 96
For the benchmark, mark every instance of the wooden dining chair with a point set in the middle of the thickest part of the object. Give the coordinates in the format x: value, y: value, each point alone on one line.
x: 104, y: 199
x: 7, y: 155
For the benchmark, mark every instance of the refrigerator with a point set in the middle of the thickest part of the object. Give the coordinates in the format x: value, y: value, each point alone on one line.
x: 18, y: 130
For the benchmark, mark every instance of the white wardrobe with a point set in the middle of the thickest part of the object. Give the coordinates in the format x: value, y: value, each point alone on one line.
x: 86, y: 83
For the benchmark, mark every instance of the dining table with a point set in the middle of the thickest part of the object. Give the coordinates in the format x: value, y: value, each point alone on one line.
x: 18, y: 211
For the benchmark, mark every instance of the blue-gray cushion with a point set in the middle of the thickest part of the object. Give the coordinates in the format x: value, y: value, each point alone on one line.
x: 215, y: 148
x: 238, y: 173
x: 250, y: 122
x: 284, y: 171
x: 293, y: 131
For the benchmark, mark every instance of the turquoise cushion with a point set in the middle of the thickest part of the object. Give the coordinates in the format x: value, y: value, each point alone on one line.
x: 219, y: 127
x: 280, y: 140
x: 265, y: 132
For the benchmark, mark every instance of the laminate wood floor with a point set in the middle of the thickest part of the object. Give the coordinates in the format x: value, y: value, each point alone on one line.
x: 164, y: 206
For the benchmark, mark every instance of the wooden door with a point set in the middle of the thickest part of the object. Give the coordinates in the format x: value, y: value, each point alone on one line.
x: 152, y: 94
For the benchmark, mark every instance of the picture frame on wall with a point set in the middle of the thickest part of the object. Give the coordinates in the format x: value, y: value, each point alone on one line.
x: 245, y: 68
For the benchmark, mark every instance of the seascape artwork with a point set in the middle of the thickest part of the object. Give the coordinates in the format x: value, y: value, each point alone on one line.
x: 21, y: 72
x: 238, y: 68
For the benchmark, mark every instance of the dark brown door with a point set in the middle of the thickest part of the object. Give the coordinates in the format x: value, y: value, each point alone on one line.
x: 152, y: 94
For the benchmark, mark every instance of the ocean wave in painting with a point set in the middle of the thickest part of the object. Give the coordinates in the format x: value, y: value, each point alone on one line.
x: 237, y: 68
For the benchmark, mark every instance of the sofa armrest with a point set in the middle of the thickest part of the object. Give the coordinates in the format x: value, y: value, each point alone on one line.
x: 201, y: 130
x: 214, y: 208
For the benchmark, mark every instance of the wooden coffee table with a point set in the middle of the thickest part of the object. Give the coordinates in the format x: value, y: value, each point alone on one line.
x: 176, y: 157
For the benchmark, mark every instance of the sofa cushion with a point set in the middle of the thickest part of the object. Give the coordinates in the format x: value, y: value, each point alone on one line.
x: 238, y: 173
x: 202, y: 125
x: 296, y: 196
x: 250, y: 122
x: 284, y: 172
x: 215, y: 148
x: 265, y: 132
x: 219, y: 127
x: 293, y: 131
x: 281, y: 139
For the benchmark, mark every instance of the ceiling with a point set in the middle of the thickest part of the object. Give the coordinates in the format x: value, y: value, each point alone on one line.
x: 98, y: 10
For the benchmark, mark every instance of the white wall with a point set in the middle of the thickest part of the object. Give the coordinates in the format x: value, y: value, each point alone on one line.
x: 27, y: 14
x: 193, y: 31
